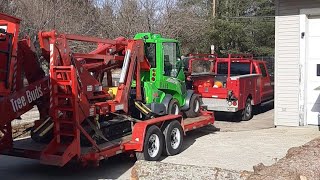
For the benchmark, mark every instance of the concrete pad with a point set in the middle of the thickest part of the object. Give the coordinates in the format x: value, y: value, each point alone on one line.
x: 241, y: 150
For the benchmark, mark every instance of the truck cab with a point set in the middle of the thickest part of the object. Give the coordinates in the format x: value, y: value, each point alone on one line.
x: 164, y: 85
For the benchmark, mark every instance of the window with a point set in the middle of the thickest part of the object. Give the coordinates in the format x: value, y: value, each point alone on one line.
x: 235, y: 69
x: 222, y: 68
x: 254, y: 71
x: 170, y: 59
x: 318, y: 69
x: 150, y: 49
x: 239, y: 68
x: 263, y: 70
x: 202, y: 66
x: 3, y: 28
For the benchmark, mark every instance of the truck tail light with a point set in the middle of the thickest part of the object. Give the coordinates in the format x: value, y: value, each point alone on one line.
x: 234, y: 103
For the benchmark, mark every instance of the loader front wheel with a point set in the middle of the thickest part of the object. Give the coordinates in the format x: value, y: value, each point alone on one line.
x: 152, y: 146
x: 173, y: 107
x: 194, y: 109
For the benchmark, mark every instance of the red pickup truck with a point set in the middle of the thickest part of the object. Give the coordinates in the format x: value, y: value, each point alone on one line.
x: 233, y: 84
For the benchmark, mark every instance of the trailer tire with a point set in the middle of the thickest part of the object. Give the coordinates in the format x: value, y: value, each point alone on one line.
x: 194, y: 109
x: 152, y: 145
x: 247, y: 113
x: 173, y: 138
x: 173, y: 107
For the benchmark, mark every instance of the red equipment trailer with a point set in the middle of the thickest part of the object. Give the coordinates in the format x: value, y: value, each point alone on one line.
x: 87, y: 122
x: 232, y: 84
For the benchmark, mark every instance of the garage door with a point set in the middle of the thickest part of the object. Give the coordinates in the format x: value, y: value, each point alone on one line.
x: 313, y: 71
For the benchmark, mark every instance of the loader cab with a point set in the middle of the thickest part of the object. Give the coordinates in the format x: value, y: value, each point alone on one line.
x: 163, y: 55
x: 166, y: 75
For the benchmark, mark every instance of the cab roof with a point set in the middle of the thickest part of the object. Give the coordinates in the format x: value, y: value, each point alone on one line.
x: 153, y: 38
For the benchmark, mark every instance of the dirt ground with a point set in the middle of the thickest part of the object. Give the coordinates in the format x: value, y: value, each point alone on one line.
x: 300, y: 163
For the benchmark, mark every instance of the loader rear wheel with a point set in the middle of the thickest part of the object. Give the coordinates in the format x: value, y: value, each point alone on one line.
x: 194, y: 109
x: 173, y: 107
x: 173, y: 137
x: 152, y: 146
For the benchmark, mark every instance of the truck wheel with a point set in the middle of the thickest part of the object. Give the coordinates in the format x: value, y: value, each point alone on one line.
x: 152, y: 146
x: 247, y: 112
x: 194, y: 109
x: 173, y: 138
x: 173, y: 107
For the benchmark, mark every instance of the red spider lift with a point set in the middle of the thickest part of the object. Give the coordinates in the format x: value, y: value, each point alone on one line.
x: 88, y: 121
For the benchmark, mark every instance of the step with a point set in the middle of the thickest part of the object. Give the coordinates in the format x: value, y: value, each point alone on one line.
x: 53, y: 160
x: 58, y: 154
x: 61, y: 108
x: 66, y: 134
x: 69, y: 96
x: 63, y: 82
x: 57, y: 68
x: 65, y: 121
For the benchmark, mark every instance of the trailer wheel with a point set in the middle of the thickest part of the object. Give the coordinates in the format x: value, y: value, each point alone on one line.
x: 194, y: 109
x: 173, y: 138
x: 152, y: 146
x: 247, y: 112
x: 173, y: 107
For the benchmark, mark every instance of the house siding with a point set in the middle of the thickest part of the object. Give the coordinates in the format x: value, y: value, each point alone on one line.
x: 287, y: 60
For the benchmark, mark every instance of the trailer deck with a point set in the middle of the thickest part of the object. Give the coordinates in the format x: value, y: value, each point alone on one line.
x: 28, y: 148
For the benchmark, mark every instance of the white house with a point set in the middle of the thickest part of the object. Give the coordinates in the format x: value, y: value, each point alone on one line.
x: 297, y: 63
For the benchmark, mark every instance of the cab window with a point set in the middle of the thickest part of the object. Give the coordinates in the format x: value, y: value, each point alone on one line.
x: 170, y: 56
x: 239, y: 68
x: 263, y: 70
x: 150, y: 49
x: 222, y: 68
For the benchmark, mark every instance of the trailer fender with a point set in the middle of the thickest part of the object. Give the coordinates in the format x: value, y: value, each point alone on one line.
x: 140, y: 129
x: 188, y: 97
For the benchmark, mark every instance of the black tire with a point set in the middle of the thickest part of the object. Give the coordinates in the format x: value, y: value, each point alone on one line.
x: 153, y: 135
x: 194, y: 110
x: 83, y: 139
x: 173, y: 138
x: 173, y: 107
x: 39, y: 136
x: 246, y: 114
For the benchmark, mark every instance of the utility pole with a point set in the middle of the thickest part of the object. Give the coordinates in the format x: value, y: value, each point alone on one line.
x: 213, y: 8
